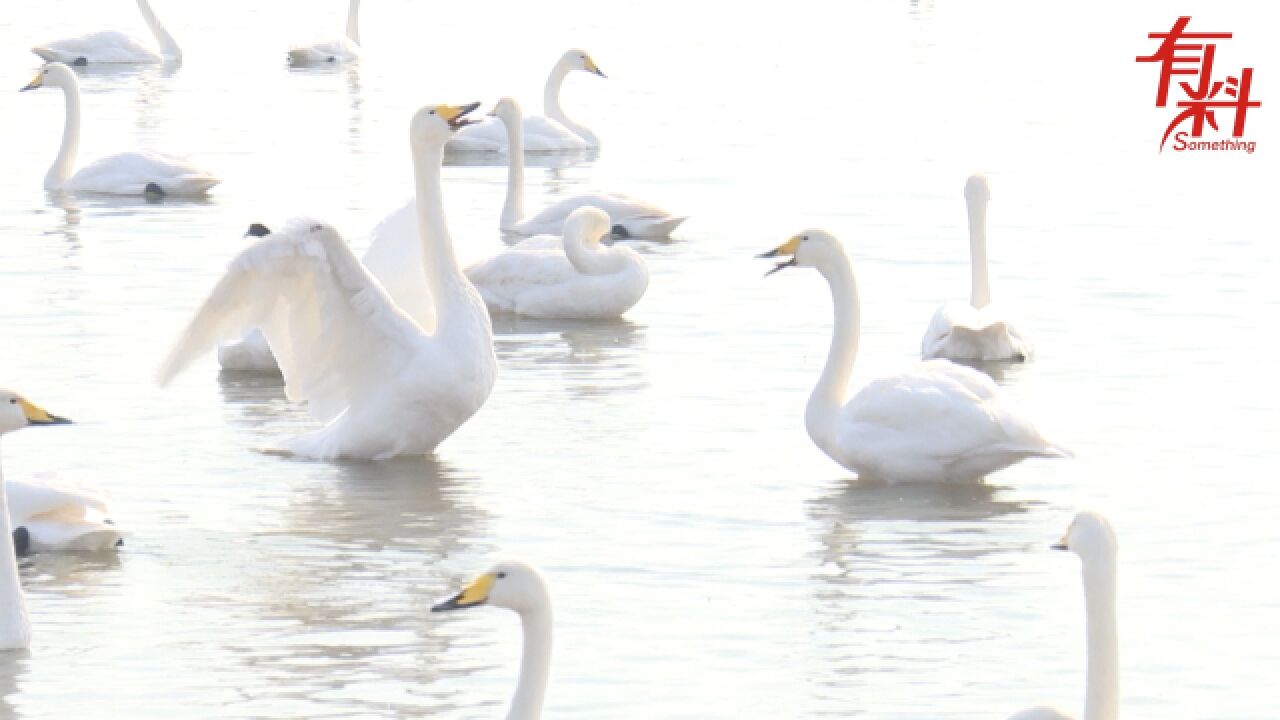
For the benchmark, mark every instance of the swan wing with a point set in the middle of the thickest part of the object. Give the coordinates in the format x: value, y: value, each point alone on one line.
x: 99, y: 47
x: 129, y: 174
x: 33, y: 498
x: 512, y: 277
x: 623, y: 210
x: 543, y: 134
x: 395, y: 258
x: 332, y: 327
x: 328, y: 51
x: 1040, y: 713
x: 488, y: 135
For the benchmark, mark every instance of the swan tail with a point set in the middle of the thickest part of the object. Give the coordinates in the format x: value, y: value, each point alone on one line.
x: 993, y: 341
x: 648, y: 226
x: 84, y: 536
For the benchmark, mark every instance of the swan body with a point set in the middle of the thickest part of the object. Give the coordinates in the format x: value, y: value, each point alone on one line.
x: 385, y: 383
x: 631, y: 218
x: 935, y: 421
x: 574, y: 277
x: 110, y: 47
x: 553, y: 132
x: 519, y: 587
x: 976, y: 330
x: 131, y: 173
x: 58, y: 517
x: 341, y: 50
x: 16, y: 412
x: 1092, y: 538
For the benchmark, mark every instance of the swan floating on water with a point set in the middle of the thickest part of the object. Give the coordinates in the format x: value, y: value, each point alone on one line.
x: 387, y: 382
x: 111, y: 47
x: 50, y: 516
x: 935, y: 421
x: 342, y: 50
x: 130, y: 173
x: 519, y: 587
x: 976, y: 330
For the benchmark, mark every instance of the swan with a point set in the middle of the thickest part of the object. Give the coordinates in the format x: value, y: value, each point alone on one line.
x: 341, y: 50
x: 110, y: 47
x: 975, y: 330
x: 1092, y: 538
x: 573, y: 278
x: 935, y: 421
x: 50, y: 516
x: 631, y: 218
x: 250, y: 353
x: 386, y: 383
x: 131, y: 173
x: 550, y: 133
x: 15, y: 628
x: 517, y: 586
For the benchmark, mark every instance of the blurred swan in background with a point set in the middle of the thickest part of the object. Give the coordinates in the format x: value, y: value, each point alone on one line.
x: 341, y: 50
x: 51, y: 516
x: 109, y: 46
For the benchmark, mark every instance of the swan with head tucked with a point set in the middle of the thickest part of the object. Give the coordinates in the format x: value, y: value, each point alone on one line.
x: 550, y: 133
x: 131, y: 173
x: 387, y: 382
x: 340, y: 50
x: 110, y: 47
x: 52, y: 516
x: 976, y: 330
x: 519, y: 587
x: 15, y: 628
x: 572, y: 278
x: 1092, y: 538
x: 935, y: 421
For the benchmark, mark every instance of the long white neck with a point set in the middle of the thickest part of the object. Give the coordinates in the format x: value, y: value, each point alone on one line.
x: 551, y: 103
x: 589, y: 257
x: 353, y: 21
x: 535, y: 665
x: 513, y: 207
x: 1102, y: 680
x: 15, y: 627
x: 980, y: 293
x: 168, y: 47
x: 830, y: 393
x: 61, y: 168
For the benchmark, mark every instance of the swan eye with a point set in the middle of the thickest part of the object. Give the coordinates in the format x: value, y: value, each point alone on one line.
x: 500, y: 575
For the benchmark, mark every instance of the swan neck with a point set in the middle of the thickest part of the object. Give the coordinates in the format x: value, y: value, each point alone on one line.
x: 513, y: 207
x: 551, y: 103
x: 830, y: 393
x: 61, y: 168
x: 168, y: 46
x: 535, y: 665
x: 15, y: 627
x: 353, y: 21
x: 588, y: 256
x: 1102, y: 679
x: 980, y: 293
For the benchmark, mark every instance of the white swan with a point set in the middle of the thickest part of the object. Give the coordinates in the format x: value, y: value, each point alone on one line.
x: 341, y: 50
x: 15, y: 628
x: 631, y: 218
x: 573, y: 277
x: 1092, y: 538
x: 517, y: 586
x: 549, y: 133
x: 386, y: 383
x: 975, y: 330
x: 50, y: 516
x: 110, y: 47
x: 933, y: 422
x: 130, y: 173
x: 250, y: 353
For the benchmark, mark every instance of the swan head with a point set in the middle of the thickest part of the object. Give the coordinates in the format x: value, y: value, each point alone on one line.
x: 1090, y: 536
x: 588, y: 223
x: 433, y: 124
x: 976, y: 189
x: 508, y: 111
x: 53, y: 74
x: 811, y: 248
x: 18, y: 412
x: 509, y: 584
x: 578, y: 59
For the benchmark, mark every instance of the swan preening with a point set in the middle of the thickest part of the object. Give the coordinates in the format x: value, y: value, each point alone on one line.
x: 387, y: 382
x: 340, y: 50
x: 549, y: 133
x: 1092, y: 538
x: 570, y: 277
x: 15, y: 628
x: 131, y: 173
x: 936, y: 421
x: 976, y: 330
x: 111, y: 47
x: 519, y: 587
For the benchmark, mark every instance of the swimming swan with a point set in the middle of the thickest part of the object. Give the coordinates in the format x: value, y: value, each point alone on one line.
x: 341, y: 50
x: 933, y: 422
x: 131, y: 173
x: 15, y: 628
x: 574, y: 277
x: 48, y: 516
x: 975, y: 330
x: 1091, y: 537
x: 385, y: 382
x: 110, y: 47
x: 550, y: 133
x: 519, y: 587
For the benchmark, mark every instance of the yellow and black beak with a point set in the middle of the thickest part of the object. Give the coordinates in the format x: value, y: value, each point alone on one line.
x: 591, y: 67
x: 1060, y: 545
x: 455, y: 115
x: 38, y: 416
x: 35, y: 83
x: 477, y: 593
x: 787, y: 248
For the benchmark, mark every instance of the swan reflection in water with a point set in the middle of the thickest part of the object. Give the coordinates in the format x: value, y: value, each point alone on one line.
x: 594, y: 357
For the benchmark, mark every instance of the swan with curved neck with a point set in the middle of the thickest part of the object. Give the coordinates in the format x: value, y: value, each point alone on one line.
x: 571, y: 278
x: 1094, y: 541
x: 15, y: 627
x: 932, y: 422
x: 130, y: 173
x: 977, y: 330
x: 519, y: 587
x: 631, y: 218
x: 111, y: 47
x: 340, y: 50
x: 387, y: 381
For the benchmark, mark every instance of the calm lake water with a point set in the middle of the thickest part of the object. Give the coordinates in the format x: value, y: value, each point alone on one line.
x: 706, y: 560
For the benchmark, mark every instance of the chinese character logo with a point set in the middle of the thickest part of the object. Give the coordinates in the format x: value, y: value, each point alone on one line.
x: 1191, y: 54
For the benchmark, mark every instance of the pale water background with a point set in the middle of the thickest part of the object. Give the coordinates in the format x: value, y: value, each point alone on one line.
x: 707, y: 561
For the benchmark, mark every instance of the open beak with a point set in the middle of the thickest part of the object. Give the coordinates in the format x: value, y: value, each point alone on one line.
x: 477, y: 593
x: 39, y: 416
x: 455, y: 115
x: 787, y: 248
